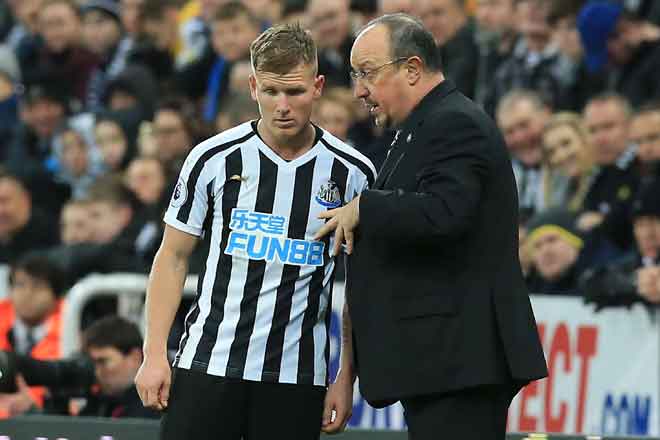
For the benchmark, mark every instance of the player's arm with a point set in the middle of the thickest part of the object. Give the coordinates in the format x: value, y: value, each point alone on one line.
x: 339, y: 399
x: 164, y: 291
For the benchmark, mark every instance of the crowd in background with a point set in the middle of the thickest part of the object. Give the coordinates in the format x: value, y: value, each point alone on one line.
x: 101, y: 100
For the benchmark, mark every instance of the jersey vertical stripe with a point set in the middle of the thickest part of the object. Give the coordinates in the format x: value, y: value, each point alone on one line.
x: 255, y: 274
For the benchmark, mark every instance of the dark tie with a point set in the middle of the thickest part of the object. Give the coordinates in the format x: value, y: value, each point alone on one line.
x: 31, y: 341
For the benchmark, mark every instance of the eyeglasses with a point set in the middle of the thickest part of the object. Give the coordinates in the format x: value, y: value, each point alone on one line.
x: 367, y: 75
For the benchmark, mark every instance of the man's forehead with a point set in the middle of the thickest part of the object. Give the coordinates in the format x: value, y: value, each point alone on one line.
x: 371, y: 47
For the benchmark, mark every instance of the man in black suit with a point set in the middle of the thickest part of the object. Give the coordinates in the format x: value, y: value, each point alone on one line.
x: 441, y: 319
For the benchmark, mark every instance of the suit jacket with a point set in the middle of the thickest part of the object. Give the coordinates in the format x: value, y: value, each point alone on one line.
x: 434, y: 285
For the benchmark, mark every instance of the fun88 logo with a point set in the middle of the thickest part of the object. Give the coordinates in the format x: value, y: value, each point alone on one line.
x: 260, y: 236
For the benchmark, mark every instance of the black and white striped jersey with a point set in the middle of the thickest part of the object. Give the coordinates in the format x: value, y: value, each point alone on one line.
x: 262, y: 306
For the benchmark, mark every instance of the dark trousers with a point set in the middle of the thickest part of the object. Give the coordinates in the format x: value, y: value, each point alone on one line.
x: 206, y: 407
x: 477, y: 413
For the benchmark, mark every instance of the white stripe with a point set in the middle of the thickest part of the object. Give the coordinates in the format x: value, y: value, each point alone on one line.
x: 293, y: 333
x: 254, y: 362
x: 247, y: 199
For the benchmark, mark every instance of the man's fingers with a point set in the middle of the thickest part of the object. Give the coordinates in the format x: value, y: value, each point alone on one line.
x: 339, y: 239
x: 164, y: 393
x: 330, y: 226
x: 349, y: 241
x: 328, y: 214
x: 327, y: 413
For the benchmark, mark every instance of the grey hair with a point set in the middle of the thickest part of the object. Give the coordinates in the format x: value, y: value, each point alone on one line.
x: 517, y: 95
x: 408, y: 37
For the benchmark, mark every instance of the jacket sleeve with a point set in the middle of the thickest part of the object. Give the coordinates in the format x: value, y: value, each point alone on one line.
x: 449, y: 190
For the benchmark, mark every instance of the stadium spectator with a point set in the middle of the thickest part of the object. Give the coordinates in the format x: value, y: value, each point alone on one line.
x: 267, y: 11
x: 75, y: 223
x: 394, y: 6
x: 335, y: 112
x: 130, y: 12
x: 236, y: 109
x: 636, y: 275
x: 521, y: 116
x: 132, y: 95
x: 113, y: 142
x: 43, y: 110
x: 238, y: 77
x: 607, y: 204
x: 76, y: 167
x: 330, y: 24
x: 573, y: 69
x: 26, y: 24
x: 23, y: 226
x: 645, y: 133
x: 554, y: 246
x: 234, y: 27
x: 195, y: 18
x: 114, y: 345
x: 175, y: 133
x: 621, y: 51
x: 294, y: 11
x: 61, y: 60
x: 31, y: 323
x: 145, y: 177
x: 569, y: 166
x: 454, y: 32
x: 535, y: 62
x: 495, y: 36
x: 103, y: 35
x: 155, y: 43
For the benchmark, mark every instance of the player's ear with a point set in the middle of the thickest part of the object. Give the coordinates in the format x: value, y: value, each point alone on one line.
x: 318, y: 86
x: 252, y: 80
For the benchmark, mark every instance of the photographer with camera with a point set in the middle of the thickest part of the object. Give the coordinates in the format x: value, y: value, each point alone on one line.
x: 30, y: 324
x: 114, y: 346
x: 635, y: 277
x: 102, y: 374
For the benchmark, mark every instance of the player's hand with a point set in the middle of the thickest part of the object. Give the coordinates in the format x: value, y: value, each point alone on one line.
x: 343, y: 221
x: 153, y: 382
x: 338, y: 406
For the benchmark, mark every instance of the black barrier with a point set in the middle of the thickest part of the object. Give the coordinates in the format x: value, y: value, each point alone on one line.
x: 88, y: 428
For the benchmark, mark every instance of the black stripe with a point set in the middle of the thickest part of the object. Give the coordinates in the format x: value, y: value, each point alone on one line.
x: 298, y: 218
x: 184, y: 212
x: 338, y: 174
x: 255, y: 274
x: 233, y: 166
x: 366, y: 170
x: 328, y: 319
x: 208, y: 222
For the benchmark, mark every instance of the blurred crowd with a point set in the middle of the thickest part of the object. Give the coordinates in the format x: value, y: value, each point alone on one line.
x: 101, y: 100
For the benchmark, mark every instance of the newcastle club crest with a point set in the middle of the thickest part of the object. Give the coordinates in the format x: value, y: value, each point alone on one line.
x: 329, y: 195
